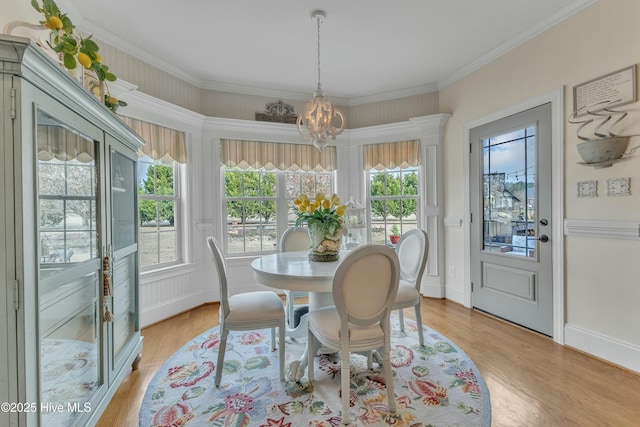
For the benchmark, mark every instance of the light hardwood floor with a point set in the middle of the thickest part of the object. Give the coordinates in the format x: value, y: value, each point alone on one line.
x: 532, y: 380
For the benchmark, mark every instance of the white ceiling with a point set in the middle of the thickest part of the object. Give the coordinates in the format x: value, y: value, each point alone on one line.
x: 370, y: 49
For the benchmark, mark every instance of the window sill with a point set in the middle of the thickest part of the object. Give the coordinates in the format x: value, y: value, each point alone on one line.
x: 165, y: 273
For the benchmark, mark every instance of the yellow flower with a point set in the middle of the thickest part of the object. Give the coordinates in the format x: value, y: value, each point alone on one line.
x: 340, y: 210
x: 312, y: 209
x: 320, y: 196
x: 98, y: 58
x: 326, y: 204
x: 306, y: 202
x: 335, y: 200
x: 297, y: 202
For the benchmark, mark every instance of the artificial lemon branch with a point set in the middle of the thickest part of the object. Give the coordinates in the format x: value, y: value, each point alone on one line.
x: 73, y: 48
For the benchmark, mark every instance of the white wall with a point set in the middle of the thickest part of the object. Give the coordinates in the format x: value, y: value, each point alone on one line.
x: 601, y: 278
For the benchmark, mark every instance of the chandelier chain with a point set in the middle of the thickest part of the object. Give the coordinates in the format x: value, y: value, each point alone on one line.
x: 318, y: 22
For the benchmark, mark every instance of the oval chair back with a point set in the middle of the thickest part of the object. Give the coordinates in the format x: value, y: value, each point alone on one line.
x: 365, y: 285
x: 412, y: 250
x: 221, y: 268
x: 295, y: 239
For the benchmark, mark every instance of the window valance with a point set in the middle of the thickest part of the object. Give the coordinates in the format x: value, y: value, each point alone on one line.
x: 273, y: 155
x: 161, y: 142
x: 56, y: 142
x: 391, y: 155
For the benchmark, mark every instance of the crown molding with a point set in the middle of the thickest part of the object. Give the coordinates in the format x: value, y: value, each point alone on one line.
x: 146, y: 107
x: 562, y: 14
x: 121, y: 44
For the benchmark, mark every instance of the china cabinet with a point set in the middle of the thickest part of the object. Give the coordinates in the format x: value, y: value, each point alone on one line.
x: 69, y: 256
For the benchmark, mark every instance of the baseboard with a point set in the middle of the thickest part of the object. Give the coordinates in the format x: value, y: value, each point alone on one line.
x: 454, y: 294
x: 610, y: 349
x: 432, y: 290
x: 159, y: 312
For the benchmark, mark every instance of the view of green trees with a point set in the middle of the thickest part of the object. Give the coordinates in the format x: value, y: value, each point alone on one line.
x: 159, y: 181
x: 394, y: 184
x: 250, y: 184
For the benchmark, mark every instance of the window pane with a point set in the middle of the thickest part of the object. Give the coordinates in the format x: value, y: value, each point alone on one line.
x: 509, y: 193
x: 52, y: 178
x: 268, y: 184
x: 292, y: 182
x: 251, y: 184
x: 146, y: 176
x: 164, y: 179
x: 80, y: 180
x: 394, y: 184
x: 233, y: 184
x: 167, y: 242
x: 158, y: 212
x: 308, y: 185
x: 377, y: 184
x: 323, y: 184
x: 410, y: 184
x: 149, y: 241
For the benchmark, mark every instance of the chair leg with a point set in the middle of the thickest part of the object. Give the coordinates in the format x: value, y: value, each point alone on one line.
x: 401, y: 315
x: 388, y: 377
x: 273, y: 339
x: 281, y: 348
x: 310, y: 355
x: 345, y: 387
x: 419, y: 323
x: 221, y: 349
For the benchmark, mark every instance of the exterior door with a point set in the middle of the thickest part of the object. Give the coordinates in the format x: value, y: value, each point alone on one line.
x: 511, y: 270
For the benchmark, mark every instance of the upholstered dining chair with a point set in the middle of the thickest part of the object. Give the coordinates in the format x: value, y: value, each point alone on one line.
x: 364, y: 287
x: 294, y: 239
x: 246, y: 311
x: 412, y: 250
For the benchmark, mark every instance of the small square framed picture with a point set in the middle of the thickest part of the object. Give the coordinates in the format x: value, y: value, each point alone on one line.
x: 588, y: 188
x: 618, y: 187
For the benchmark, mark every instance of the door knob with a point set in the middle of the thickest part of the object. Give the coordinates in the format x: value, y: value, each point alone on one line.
x: 544, y: 238
x: 544, y: 222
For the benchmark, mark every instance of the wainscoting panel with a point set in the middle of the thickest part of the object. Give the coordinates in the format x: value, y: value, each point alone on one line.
x: 168, y: 296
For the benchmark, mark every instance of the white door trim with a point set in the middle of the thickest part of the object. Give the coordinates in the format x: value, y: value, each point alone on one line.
x: 556, y: 98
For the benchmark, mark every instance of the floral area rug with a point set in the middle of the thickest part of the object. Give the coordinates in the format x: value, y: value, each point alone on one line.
x: 435, y: 385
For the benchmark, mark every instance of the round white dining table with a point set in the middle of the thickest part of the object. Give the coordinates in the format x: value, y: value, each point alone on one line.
x: 293, y: 271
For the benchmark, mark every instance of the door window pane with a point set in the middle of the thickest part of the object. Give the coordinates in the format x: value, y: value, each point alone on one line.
x: 509, y: 193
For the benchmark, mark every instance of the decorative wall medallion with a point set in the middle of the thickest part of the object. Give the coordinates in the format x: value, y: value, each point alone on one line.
x: 618, y: 187
x: 588, y: 188
x: 278, y: 112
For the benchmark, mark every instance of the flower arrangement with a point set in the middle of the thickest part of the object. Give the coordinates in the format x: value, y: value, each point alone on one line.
x: 324, y: 210
x: 74, y: 49
x: 325, y: 218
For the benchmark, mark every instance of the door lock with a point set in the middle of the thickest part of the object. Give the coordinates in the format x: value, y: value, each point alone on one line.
x: 544, y: 222
x: 544, y: 238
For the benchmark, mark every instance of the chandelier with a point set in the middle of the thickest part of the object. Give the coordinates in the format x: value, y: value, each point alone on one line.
x: 318, y: 115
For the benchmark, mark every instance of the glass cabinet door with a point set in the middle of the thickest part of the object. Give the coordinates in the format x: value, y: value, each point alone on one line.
x: 69, y: 269
x: 125, y: 248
